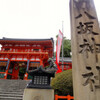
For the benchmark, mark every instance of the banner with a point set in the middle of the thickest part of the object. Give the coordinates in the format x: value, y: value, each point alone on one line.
x: 58, y: 47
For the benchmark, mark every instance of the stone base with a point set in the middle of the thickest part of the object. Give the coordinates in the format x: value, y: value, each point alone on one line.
x: 38, y: 94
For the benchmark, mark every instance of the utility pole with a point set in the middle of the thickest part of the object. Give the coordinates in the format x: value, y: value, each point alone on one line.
x: 62, y: 46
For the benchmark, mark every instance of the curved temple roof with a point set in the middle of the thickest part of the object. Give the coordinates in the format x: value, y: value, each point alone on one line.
x: 14, y: 40
x: 45, y: 43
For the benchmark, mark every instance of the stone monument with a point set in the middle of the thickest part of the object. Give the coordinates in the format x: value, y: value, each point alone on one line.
x: 39, y: 88
x: 85, y: 38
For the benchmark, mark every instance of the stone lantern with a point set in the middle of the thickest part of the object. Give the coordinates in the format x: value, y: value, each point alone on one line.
x: 40, y: 78
x: 39, y: 88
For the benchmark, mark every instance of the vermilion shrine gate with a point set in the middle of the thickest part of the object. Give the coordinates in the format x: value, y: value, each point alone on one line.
x: 20, y: 55
x: 23, y: 54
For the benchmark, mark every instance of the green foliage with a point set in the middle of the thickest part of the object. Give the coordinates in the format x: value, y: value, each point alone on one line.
x: 62, y: 83
x: 46, y: 67
x: 54, y: 54
x: 22, y: 71
x: 66, y: 48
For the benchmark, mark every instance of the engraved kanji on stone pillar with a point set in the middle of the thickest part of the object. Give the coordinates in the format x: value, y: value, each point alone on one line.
x: 85, y: 38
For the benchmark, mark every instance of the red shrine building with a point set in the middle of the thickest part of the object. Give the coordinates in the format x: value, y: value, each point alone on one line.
x: 67, y: 63
x: 17, y: 56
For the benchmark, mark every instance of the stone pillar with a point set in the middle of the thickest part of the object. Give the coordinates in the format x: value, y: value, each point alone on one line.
x: 85, y: 38
x: 38, y: 94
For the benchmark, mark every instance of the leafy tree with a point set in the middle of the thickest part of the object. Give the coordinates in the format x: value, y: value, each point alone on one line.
x: 66, y: 48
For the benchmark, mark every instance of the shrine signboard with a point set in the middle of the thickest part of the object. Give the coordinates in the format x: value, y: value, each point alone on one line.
x: 85, y: 39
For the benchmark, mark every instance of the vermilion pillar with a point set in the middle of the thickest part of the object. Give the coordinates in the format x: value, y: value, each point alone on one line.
x: 7, y: 68
x: 41, y: 62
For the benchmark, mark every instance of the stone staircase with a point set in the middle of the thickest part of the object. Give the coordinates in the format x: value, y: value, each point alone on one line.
x: 12, y: 89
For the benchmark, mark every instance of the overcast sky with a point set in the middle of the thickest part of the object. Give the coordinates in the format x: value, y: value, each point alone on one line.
x: 35, y: 18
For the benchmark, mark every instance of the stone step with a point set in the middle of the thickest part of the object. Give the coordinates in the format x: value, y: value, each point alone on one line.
x: 15, y: 82
x: 5, y: 92
x: 12, y: 89
x: 10, y: 98
x: 10, y: 95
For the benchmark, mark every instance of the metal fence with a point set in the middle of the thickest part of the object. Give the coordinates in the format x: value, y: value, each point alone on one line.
x: 68, y: 97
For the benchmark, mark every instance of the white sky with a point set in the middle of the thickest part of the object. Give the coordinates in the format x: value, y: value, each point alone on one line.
x: 35, y: 18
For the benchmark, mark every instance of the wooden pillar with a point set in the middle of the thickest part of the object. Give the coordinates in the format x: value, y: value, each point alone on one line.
x: 7, y: 68
x: 41, y: 62
x: 15, y: 73
x: 26, y: 74
x: 85, y: 38
x: 56, y: 97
